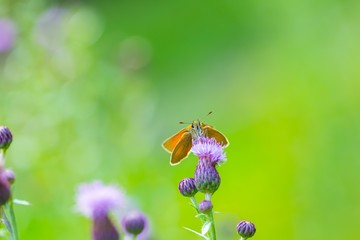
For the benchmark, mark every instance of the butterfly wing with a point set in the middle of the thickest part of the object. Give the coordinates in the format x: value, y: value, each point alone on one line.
x: 182, y: 149
x: 170, y: 143
x: 211, y: 132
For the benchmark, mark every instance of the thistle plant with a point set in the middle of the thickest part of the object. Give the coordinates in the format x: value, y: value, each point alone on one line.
x: 7, y: 178
x: 207, y: 181
x: 103, y: 204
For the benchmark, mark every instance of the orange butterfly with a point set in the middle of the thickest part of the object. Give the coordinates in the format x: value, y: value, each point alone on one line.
x: 179, y: 145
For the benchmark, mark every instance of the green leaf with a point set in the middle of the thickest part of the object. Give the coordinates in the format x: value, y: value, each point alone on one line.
x: 21, y: 202
x: 199, y: 234
x: 205, y: 228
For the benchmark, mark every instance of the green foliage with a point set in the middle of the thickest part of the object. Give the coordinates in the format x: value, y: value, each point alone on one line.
x: 95, y: 94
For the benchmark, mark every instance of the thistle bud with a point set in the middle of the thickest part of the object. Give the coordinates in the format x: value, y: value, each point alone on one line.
x: 207, y: 179
x: 246, y: 229
x: 187, y: 187
x: 5, y: 137
x: 134, y: 223
x: 205, y: 206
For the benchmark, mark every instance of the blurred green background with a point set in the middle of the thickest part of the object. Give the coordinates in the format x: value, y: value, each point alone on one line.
x: 90, y: 89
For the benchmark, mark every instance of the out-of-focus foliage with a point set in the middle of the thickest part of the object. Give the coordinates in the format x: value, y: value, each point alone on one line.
x: 91, y: 89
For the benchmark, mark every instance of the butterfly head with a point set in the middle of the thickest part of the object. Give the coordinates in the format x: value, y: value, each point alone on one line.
x: 196, y: 130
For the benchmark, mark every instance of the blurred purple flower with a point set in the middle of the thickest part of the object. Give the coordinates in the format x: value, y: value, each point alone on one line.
x: 4, y: 189
x: 96, y: 199
x: 135, y: 224
x: 9, y: 175
x: 208, y: 148
x: 104, y: 229
x: 7, y: 34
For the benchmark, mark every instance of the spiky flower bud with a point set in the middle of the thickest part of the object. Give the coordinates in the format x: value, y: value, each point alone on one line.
x: 246, y: 229
x: 5, y: 137
x: 187, y: 187
x: 134, y: 223
x: 207, y: 178
x: 205, y: 206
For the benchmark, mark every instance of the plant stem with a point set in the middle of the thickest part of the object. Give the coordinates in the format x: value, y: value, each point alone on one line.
x: 13, y: 219
x: 5, y: 220
x: 212, y: 229
x: 10, y: 220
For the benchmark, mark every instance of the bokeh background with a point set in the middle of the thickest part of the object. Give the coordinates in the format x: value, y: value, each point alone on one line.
x: 90, y: 89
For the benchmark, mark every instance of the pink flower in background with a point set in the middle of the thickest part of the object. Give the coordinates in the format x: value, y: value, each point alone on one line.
x: 96, y: 200
x: 7, y: 34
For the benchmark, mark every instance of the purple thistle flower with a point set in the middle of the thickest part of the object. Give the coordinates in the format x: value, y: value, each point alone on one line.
x: 187, y: 187
x: 208, y: 148
x: 210, y: 153
x: 205, y: 206
x: 207, y: 179
x: 134, y: 223
x: 246, y: 229
x: 7, y: 35
x: 5, y: 136
x: 96, y: 199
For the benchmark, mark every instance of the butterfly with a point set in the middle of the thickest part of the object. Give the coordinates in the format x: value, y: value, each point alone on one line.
x: 179, y: 145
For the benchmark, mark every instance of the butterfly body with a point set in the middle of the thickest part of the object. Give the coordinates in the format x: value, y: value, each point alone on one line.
x: 179, y: 145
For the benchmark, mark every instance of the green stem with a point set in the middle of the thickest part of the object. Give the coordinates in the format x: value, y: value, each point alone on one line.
x: 211, y: 219
x: 212, y: 228
x: 13, y: 220
x: 5, y: 220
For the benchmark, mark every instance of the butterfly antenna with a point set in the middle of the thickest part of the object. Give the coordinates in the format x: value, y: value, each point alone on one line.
x: 184, y: 123
x: 207, y: 114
